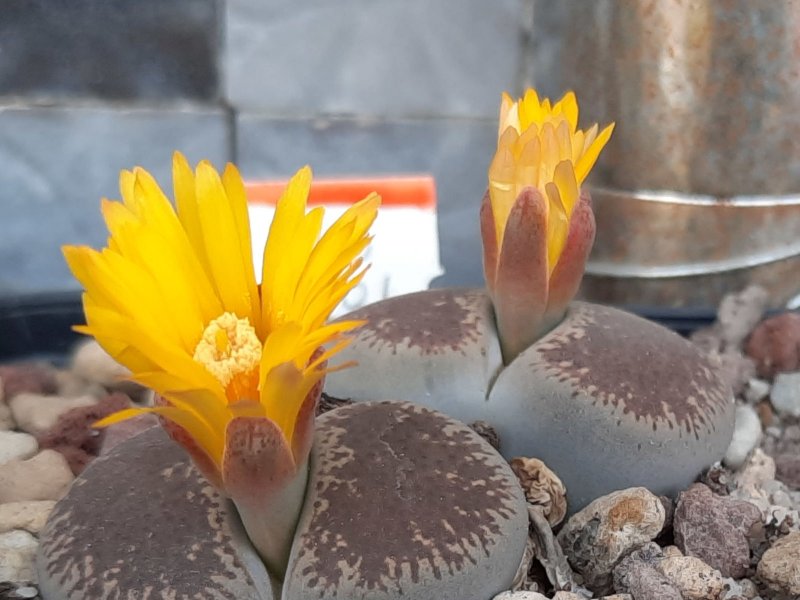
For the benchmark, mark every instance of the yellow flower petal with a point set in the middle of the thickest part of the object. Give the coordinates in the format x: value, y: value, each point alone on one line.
x: 205, y: 436
x: 126, y: 180
x: 337, y: 249
x: 234, y: 188
x: 223, y: 244
x: 289, y: 211
x: 557, y: 225
x: 569, y: 107
x: 502, y: 175
x: 509, y: 115
x: 292, y: 265
x: 186, y: 202
x: 586, y: 162
x: 174, y: 297
x: 538, y: 143
x: 567, y: 184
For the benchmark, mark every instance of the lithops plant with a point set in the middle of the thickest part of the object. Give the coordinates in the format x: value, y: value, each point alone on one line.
x: 402, y: 503
x: 604, y: 398
x: 238, y: 370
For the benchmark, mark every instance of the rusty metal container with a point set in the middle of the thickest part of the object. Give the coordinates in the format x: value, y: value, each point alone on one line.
x: 698, y: 192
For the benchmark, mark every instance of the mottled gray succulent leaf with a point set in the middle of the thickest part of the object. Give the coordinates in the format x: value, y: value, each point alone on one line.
x: 143, y: 517
x: 438, y: 348
x: 609, y: 401
x: 404, y: 501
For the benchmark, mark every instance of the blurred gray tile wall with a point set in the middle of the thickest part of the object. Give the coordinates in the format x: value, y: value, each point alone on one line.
x: 88, y: 87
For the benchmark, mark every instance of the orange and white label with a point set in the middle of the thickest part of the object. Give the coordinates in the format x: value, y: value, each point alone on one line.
x: 404, y: 253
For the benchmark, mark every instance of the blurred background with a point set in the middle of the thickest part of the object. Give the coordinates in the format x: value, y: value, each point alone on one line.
x: 88, y: 87
x: 695, y: 196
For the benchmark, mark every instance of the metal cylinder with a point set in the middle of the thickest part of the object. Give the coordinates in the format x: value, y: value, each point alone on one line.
x: 668, y: 249
x: 706, y: 97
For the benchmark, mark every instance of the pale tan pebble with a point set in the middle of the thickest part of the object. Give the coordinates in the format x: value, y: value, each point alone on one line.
x: 779, y: 567
x: 72, y: 385
x: 35, y: 413
x: 670, y: 551
x: 562, y: 595
x: 94, y: 364
x: 693, y: 577
x: 750, y: 479
x: 542, y: 487
x: 15, y: 445
x: 46, y: 476
x: 617, y: 597
x: 609, y: 528
x: 17, y: 556
x: 30, y: 516
x: 757, y: 470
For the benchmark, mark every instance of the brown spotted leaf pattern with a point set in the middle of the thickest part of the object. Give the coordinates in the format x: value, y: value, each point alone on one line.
x: 142, y: 518
x: 400, y: 495
x: 635, y: 366
x: 433, y: 322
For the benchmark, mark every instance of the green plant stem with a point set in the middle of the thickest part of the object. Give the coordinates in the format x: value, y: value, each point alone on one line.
x: 271, y: 524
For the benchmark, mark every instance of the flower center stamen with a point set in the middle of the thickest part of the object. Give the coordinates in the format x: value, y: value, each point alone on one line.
x: 229, y: 348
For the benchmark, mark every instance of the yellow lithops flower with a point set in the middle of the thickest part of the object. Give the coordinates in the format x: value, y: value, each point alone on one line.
x: 174, y: 298
x: 537, y: 225
x: 540, y: 145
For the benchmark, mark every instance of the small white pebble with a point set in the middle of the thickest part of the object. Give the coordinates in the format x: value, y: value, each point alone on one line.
x: 15, y: 445
x: 746, y: 436
x: 756, y: 390
x: 785, y: 394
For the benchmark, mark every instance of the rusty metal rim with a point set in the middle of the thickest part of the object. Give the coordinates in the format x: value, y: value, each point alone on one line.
x: 667, y: 197
x: 603, y: 268
x: 697, y: 269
